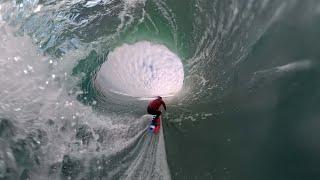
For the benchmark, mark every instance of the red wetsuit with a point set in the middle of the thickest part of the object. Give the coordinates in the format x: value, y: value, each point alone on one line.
x: 153, y: 107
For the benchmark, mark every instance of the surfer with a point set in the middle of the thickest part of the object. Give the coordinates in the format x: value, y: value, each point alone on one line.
x: 153, y: 107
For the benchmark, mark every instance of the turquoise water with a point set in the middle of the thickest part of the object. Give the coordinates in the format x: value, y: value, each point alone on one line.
x: 248, y: 108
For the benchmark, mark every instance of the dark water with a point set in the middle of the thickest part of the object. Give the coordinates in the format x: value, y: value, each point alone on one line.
x: 249, y: 108
x: 267, y: 126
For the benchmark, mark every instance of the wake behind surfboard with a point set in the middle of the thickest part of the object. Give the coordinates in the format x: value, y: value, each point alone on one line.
x: 154, y: 126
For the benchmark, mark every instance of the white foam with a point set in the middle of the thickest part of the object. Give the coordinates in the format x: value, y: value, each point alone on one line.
x: 39, y: 94
x: 143, y: 69
x: 37, y: 9
x: 92, y: 3
x: 295, y: 66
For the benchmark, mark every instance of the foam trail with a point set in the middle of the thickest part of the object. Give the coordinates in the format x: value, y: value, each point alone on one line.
x: 270, y: 75
x: 142, y: 157
x: 151, y: 162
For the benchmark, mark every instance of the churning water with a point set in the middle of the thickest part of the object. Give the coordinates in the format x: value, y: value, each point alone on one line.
x: 240, y: 79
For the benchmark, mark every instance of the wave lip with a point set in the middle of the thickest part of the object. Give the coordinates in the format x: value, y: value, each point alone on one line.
x: 142, y: 69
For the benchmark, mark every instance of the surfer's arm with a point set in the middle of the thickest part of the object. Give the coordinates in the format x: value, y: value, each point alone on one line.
x: 164, y: 105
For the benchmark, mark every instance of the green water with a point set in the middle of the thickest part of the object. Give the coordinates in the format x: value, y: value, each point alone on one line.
x: 269, y: 131
x: 249, y: 108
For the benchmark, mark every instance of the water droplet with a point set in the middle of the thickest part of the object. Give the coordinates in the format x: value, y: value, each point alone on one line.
x: 17, y: 109
x: 17, y: 58
x: 38, y: 8
x: 30, y: 67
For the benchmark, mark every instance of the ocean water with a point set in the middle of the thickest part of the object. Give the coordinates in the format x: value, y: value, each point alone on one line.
x: 240, y: 79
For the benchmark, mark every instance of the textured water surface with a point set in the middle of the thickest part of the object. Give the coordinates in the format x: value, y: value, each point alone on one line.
x: 240, y: 79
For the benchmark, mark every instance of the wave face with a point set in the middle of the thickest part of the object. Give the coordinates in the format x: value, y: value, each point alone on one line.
x: 76, y: 76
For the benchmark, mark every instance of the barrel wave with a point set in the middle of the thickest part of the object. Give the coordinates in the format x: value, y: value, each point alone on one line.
x: 240, y: 79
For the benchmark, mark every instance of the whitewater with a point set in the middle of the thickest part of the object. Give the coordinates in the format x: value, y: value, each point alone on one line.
x: 46, y: 133
x: 77, y: 75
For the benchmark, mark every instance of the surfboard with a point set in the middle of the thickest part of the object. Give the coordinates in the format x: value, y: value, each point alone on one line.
x: 154, y: 125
